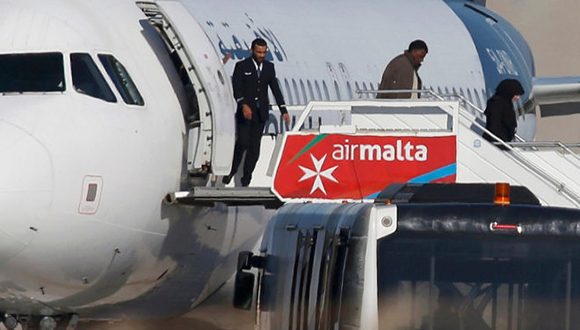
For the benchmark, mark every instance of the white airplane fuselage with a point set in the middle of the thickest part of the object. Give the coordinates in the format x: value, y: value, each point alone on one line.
x: 60, y: 252
x: 85, y: 227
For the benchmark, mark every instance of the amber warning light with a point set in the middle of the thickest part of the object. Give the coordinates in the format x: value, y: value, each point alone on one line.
x: 502, y: 193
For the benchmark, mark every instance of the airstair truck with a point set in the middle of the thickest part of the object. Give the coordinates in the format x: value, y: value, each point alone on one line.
x: 377, y: 232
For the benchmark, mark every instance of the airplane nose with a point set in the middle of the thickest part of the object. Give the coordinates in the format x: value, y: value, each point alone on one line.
x: 26, y: 177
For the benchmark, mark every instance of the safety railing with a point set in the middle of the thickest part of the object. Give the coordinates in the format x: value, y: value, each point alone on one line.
x: 433, y: 94
x: 520, y: 142
x: 536, y: 145
x: 559, y: 186
x: 369, y: 108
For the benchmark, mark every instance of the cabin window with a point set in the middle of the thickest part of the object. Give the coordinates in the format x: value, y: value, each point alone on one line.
x: 477, y: 98
x: 303, y: 89
x: 87, y: 79
x: 310, y: 90
x: 41, y: 72
x: 469, y: 96
x: 122, y: 80
x: 318, y: 92
x: 325, y: 88
x: 296, y: 92
x: 349, y: 90
x: 337, y: 91
x: 284, y: 95
x: 288, y: 91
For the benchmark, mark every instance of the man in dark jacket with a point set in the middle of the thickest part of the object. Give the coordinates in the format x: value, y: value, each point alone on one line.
x: 401, y: 72
x: 499, y: 112
x: 250, y: 80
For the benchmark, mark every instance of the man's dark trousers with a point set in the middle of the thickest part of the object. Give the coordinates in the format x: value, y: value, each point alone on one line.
x: 249, y: 138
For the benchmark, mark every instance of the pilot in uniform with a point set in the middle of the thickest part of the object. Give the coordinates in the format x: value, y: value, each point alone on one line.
x: 250, y: 80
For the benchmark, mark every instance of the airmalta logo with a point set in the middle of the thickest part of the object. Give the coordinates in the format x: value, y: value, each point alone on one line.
x: 386, y: 152
x: 339, y: 166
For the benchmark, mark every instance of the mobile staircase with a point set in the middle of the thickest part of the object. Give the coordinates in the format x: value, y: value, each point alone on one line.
x: 316, y: 159
x: 551, y: 170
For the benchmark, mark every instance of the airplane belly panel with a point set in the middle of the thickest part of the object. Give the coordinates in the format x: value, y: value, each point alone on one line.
x: 200, y: 251
x: 9, y: 246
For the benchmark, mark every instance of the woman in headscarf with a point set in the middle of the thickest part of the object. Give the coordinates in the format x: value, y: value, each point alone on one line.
x: 500, y: 114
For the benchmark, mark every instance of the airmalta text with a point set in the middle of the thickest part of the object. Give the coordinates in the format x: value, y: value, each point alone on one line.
x: 377, y: 152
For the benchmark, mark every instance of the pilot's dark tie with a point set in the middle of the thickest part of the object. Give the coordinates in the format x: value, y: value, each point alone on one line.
x: 258, y: 72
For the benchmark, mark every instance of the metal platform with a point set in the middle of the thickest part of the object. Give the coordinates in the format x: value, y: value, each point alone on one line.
x: 236, y: 196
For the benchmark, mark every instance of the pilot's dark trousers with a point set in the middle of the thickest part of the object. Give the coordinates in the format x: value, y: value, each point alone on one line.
x: 248, y: 139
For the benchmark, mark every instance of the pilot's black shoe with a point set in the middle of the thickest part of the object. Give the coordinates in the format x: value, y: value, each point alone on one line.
x: 245, y: 181
x: 226, y: 179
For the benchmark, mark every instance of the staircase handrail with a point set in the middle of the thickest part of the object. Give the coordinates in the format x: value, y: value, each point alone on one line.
x: 515, y: 153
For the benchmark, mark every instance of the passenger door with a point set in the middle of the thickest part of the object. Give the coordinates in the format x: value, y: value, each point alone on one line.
x: 213, y: 139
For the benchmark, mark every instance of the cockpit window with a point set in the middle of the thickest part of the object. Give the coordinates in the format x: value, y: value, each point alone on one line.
x: 87, y: 79
x: 39, y: 72
x: 121, y: 79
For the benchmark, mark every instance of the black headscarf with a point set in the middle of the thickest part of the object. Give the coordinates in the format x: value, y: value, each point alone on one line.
x: 500, y: 116
x: 508, y: 88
